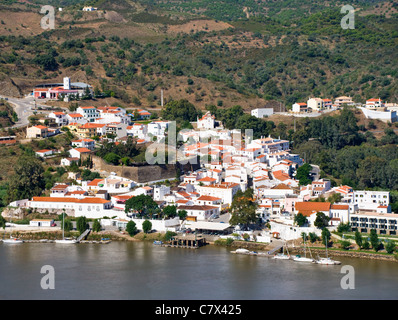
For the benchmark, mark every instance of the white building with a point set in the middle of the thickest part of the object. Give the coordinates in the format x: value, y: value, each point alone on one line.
x: 88, y: 113
x: 90, y: 207
x: 262, y: 112
x: 44, y: 153
x: 41, y: 222
x: 383, y: 223
x: 158, y: 128
x: 299, y: 107
x: 201, y: 212
x: 316, y: 104
x: 84, y: 143
x: 339, y: 101
x: 225, y: 191
x: 374, y: 103
x: 138, y: 130
x: 371, y: 200
x: 77, y: 152
x: 60, y: 118
x: 159, y: 192
x: 206, y: 122
x: 112, y: 115
x: 75, y: 118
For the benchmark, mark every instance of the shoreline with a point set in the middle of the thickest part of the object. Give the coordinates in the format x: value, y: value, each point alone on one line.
x: 113, y: 235
x: 314, y: 250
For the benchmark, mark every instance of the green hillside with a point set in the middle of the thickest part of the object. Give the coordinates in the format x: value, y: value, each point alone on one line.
x: 269, y: 56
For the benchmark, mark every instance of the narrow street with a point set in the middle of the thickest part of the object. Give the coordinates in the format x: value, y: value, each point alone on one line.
x: 24, y: 107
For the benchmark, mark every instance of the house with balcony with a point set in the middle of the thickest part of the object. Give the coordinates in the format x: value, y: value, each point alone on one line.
x: 383, y: 223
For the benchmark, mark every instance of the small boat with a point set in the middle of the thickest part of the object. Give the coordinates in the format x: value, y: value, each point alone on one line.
x: 326, y: 260
x: 282, y: 256
x: 299, y: 258
x: 158, y: 242
x: 12, y: 240
x: 242, y: 251
x: 66, y: 241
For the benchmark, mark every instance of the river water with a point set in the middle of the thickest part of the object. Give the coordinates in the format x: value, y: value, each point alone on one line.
x: 143, y: 271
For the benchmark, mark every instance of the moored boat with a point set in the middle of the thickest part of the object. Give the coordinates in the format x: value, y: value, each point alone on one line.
x: 66, y: 241
x: 327, y: 261
x: 13, y: 240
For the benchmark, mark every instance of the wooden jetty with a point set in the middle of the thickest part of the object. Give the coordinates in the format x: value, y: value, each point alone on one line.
x: 189, y: 241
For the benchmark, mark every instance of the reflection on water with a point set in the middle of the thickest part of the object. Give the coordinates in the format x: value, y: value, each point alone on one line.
x: 134, y: 271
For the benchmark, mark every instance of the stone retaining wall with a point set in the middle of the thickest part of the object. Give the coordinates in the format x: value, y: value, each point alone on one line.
x: 141, y: 173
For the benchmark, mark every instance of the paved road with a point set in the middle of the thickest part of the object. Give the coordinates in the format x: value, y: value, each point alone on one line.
x: 315, y: 172
x: 24, y: 109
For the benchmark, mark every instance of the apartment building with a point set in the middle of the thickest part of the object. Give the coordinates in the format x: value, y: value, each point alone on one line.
x: 383, y: 223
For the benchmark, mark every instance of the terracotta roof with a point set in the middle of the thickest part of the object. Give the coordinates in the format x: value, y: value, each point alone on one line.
x: 75, y: 115
x: 340, y: 206
x: 95, y: 182
x: 41, y: 127
x: 82, y: 150
x: 307, y: 208
x: 207, y: 179
x: 63, y: 199
x: 197, y: 207
x: 59, y: 187
x: 208, y: 198
x: 281, y: 186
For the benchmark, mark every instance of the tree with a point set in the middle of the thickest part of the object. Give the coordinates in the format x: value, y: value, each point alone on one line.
x: 81, y: 224
x: 131, y: 228
x: 97, y: 226
x: 142, y: 204
x: 345, y: 244
x: 303, y: 173
x: 168, y: 235
x: 112, y: 158
x: 325, y: 236
x: 243, y: 209
x: 146, y: 226
x: 313, y: 237
x: 321, y: 220
x: 170, y: 211
x: 343, y: 227
x: 47, y: 62
x: 28, y: 180
x: 300, y: 219
x: 182, y: 214
x: 2, y: 222
x: 335, y: 197
x: 67, y: 225
x: 390, y: 247
x: 374, y: 240
x: 180, y: 110
x: 366, y: 244
x: 358, y: 239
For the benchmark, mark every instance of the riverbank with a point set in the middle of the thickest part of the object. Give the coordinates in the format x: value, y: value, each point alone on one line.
x: 316, y: 251
x: 51, y: 235
x: 115, y: 235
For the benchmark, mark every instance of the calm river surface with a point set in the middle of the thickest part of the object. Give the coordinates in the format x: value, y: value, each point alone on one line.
x: 138, y: 270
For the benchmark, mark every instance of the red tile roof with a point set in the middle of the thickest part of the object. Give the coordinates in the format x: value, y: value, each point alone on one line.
x: 307, y: 208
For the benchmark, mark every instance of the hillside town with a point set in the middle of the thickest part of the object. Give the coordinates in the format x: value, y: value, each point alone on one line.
x: 231, y: 162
